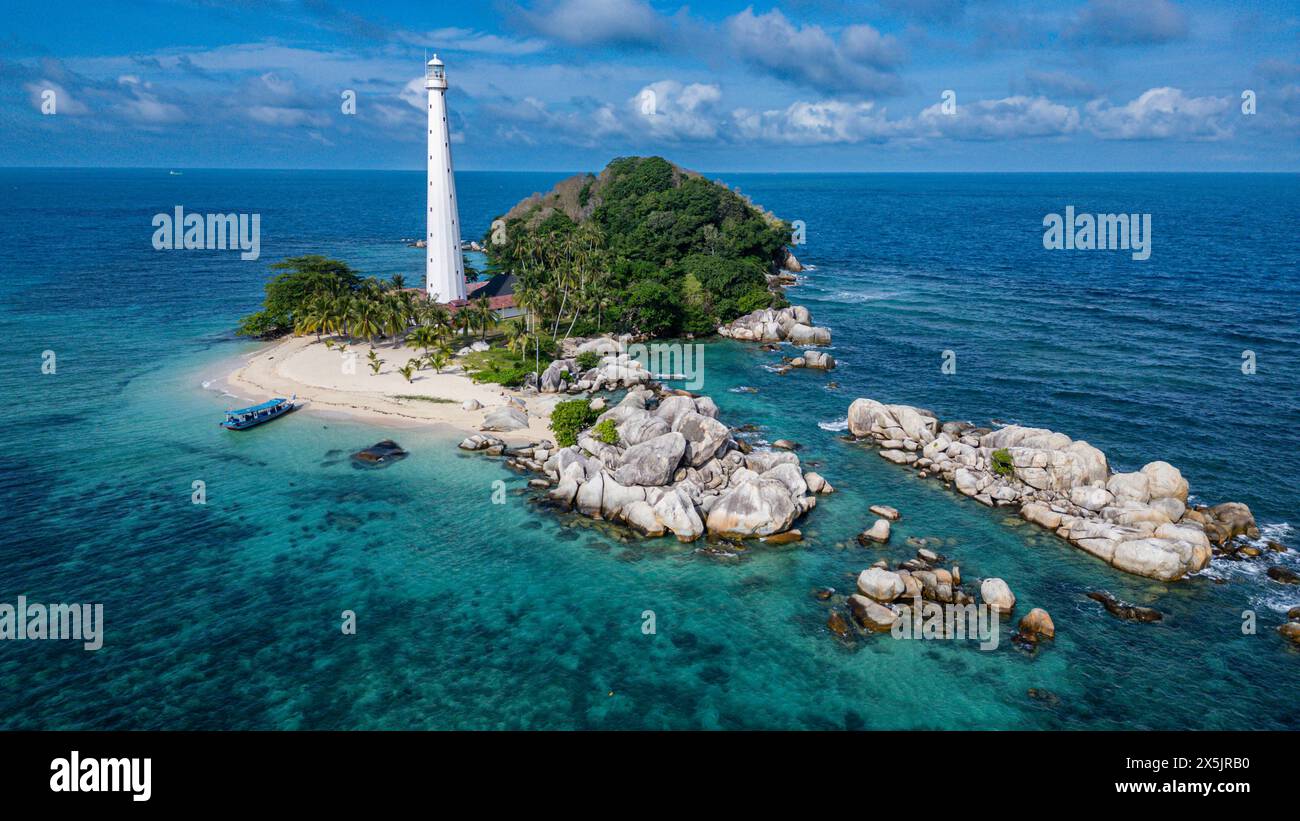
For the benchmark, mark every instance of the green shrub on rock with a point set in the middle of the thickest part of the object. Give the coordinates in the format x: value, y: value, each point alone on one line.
x: 1002, y: 464
x: 570, y: 418
x: 606, y: 432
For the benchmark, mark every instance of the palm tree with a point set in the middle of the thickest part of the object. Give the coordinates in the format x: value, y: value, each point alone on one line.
x: 437, y: 316
x: 483, y: 313
x: 375, y: 365
x: 437, y: 360
x: 516, y: 335
x: 367, y: 322
x: 423, y: 337
x: 463, y: 322
x: 408, y: 370
x: 395, y: 317
x: 312, y: 319
x: 399, y: 282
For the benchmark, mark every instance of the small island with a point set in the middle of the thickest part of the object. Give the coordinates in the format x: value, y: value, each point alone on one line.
x: 641, y: 251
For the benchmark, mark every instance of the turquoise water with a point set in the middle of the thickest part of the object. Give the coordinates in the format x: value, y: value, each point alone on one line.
x: 474, y: 615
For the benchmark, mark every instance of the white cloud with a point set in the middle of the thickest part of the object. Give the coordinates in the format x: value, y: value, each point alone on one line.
x: 861, y: 62
x: 669, y: 110
x: 1161, y: 113
x: 469, y: 40
x: 1005, y: 119
x: 812, y: 123
x: 64, y: 102
x: 143, y: 106
x: 530, y: 121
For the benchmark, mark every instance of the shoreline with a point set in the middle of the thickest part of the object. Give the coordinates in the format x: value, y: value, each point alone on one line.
x: 318, y: 376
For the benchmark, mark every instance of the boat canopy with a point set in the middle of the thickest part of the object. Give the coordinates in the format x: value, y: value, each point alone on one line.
x: 267, y: 405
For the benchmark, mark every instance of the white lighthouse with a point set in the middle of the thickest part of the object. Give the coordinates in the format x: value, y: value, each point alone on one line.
x: 444, y: 269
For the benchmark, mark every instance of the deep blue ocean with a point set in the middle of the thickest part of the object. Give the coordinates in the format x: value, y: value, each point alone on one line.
x: 473, y: 615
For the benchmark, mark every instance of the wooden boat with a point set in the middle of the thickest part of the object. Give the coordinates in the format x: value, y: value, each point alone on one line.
x: 245, y: 418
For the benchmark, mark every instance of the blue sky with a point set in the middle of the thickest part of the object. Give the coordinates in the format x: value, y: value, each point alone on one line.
x: 819, y: 85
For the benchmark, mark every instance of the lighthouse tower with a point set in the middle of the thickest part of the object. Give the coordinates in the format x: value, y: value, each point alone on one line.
x: 444, y: 269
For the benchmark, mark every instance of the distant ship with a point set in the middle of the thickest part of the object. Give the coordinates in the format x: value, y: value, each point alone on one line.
x: 175, y: 173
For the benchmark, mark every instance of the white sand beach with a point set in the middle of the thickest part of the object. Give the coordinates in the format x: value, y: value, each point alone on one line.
x: 319, y: 375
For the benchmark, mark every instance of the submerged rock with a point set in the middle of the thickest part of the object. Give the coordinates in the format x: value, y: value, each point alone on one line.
x: 1283, y: 575
x: 886, y: 512
x: 380, y: 454
x: 1123, y: 610
x: 838, y: 624
x: 788, y: 537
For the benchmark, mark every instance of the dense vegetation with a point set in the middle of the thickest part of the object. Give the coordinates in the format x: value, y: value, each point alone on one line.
x: 644, y: 247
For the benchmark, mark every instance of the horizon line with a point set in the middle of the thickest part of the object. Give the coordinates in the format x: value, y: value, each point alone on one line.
x: 580, y: 171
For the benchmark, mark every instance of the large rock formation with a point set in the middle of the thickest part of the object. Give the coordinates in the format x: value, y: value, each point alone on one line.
x: 675, y: 468
x: 792, y: 324
x: 1136, y: 522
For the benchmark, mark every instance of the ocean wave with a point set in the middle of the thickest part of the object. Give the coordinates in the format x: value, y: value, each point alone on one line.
x: 1269, y: 595
x: 858, y: 297
x: 836, y: 426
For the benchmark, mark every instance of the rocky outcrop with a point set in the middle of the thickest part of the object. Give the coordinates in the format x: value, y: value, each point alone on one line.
x: 616, y: 370
x: 675, y: 469
x: 653, y: 462
x: 792, y: 324
x: 1137, y: 522
x: 817, y: 360
x: 884, y: 596
x: 791, y: 263
x: 479, y: 442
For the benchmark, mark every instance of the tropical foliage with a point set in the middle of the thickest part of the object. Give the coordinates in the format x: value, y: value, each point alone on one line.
x: 645, y: 247
x: 316, y: 295
x: 570, y: 418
